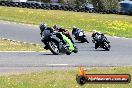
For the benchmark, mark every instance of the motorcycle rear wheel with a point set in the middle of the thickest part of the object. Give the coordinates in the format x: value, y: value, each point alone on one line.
x: 107, y: 46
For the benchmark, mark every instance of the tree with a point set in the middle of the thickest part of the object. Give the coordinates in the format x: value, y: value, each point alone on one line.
x: 106, y: 4
x: 61, y: 1
x: 97, y: 4
x: 80, y: 2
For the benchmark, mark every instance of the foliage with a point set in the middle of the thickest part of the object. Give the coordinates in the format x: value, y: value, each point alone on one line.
x: 112, y: 24
x: 6, y: 45
x: 106, y: 4
x: 61, y: 79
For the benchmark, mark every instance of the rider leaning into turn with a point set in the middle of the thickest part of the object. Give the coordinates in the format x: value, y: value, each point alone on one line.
x: 48, y: 30
x: 45, y: 31
x: 98, y: 36
x: 75, y: 31
x: 64, y: 31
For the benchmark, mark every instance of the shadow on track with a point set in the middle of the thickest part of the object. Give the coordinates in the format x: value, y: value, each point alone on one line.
x: 92, y: 50
x: 81, y: 43
x: 97, y: 50
x: 47, y: 54
x: 77, y: 42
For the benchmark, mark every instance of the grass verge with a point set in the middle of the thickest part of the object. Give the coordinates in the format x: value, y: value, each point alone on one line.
x: 112, y: 24
x: 6, y: 45
x: 60, y: 79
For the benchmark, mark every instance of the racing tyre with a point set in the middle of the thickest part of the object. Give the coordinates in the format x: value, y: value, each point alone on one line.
x: 68, y: 53
x: 84, y: 39
x: 107, y: 46
x: 96, y: 45
x: 54, y: 47
x: 75, y: 50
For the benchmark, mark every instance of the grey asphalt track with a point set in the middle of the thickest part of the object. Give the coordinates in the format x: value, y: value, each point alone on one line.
x: 119, y: 55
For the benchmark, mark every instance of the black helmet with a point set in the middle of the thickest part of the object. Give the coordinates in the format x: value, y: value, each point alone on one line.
x: 42, y: 26
x: 55, y: 26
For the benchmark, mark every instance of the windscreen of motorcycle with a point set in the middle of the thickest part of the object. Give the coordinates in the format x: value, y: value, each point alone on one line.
x: 80, y: 33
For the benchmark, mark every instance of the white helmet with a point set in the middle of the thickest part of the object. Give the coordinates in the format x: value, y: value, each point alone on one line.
x: 94, y: 31
x: 74, y: 27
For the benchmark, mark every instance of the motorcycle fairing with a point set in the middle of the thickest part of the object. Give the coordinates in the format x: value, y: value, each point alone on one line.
x: 71, y: 46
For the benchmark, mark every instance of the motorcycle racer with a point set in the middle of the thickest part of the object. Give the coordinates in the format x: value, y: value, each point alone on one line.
x: 64, y: 31
x: 46, y: 31
x: 79, y: 35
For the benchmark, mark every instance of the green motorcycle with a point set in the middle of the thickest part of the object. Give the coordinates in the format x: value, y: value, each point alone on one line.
x: 70, y: 46
x: 56, y: 46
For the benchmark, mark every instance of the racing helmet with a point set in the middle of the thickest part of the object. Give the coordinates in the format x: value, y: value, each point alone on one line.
x: 94, y: 31
x: 56, y: 27
x: 42, y: 26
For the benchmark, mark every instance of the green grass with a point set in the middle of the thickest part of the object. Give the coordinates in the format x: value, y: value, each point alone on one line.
x: 60, y: 79
x: 112, y: 24
x: 6, y: 45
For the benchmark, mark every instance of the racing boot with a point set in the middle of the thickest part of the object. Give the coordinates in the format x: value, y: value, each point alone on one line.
x: 46, y: 47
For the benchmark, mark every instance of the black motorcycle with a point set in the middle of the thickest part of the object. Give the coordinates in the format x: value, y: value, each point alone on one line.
x: 101, y: 41
x: 80, y: 36
x: 56, y: 46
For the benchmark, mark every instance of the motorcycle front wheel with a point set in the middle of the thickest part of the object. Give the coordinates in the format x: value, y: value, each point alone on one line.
x: 54, y: 47
x: 84, y: 39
